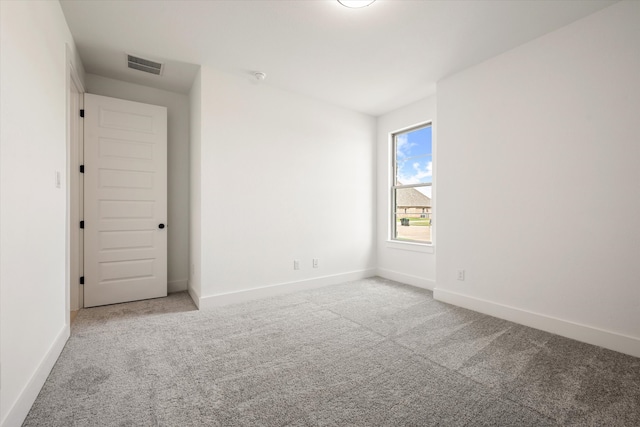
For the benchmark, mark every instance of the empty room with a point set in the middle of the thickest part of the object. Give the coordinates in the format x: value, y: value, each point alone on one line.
x: 319, y: 213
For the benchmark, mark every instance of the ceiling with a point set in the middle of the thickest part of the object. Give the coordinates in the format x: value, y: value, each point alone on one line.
x: 373, y: 59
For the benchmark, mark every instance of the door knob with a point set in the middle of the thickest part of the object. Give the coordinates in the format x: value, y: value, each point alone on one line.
x: 161, y: 226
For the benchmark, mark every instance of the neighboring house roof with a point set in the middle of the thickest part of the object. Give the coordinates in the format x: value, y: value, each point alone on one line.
x: 410, y: 197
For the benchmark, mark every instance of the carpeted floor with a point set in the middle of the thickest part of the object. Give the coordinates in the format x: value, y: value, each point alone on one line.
x: 365, y: 353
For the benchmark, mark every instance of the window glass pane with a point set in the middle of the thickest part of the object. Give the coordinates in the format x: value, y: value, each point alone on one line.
x: 413, y: 156
x: 414, y: 170
x: 412, y: 214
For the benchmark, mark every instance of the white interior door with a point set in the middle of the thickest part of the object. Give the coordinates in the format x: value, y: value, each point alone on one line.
x: 125, y: 206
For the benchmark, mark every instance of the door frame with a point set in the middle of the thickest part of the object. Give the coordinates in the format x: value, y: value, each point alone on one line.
x: 74, y: 197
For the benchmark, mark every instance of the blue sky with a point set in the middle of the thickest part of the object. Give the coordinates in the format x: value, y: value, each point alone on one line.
x: 414, y: 158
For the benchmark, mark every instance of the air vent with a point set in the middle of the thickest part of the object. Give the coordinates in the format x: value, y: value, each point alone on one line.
x: 145, y: 65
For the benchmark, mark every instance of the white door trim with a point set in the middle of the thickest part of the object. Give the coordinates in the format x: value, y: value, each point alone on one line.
x: 73, y: 264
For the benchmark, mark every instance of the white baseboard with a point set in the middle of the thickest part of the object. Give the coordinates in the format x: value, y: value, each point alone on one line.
x: 211, y: 301
x: 16, y: 415
x: 419, y: 282
x: 177, y: 286
x: 588, y: 334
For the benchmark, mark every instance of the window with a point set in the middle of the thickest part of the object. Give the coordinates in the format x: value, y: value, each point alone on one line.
x: 412, y: 163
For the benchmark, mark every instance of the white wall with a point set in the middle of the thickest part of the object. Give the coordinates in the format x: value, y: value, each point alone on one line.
x: 406, y: 262
x: 283, y: 177
x: 539, y: 184
x: 33, y: 132
x: 177, y: 165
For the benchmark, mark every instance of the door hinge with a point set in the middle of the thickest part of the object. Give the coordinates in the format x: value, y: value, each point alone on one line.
x: 82, y: 113
x: 81, y: 224
x: 81, y: 168
x: 82, y: 280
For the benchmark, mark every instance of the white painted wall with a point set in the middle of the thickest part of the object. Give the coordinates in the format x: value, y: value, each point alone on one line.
x: 406, y: 262
x: 33, y: 132
x: 283, y: 177
x: 538, y: 180
x: 177, y: 165
x: 195, y: 161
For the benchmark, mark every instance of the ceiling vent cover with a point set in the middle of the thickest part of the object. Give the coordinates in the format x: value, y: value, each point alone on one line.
x: 145, y: 65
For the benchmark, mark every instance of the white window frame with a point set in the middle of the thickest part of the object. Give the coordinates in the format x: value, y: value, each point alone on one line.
x: 392, y: 235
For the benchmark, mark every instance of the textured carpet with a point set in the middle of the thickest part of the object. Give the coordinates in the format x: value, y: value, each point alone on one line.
x: 366, y: 353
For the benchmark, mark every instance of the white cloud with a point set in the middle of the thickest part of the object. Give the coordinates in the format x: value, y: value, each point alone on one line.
x: 403, y: 146
x: 418, y: 174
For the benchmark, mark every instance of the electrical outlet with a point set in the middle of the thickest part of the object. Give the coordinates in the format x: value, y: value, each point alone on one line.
x: 296, y: 264
x: 315, y: 263
x: 461, y: 275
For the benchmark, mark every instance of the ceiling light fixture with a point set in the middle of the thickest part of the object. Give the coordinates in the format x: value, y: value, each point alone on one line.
x: 355, y: 3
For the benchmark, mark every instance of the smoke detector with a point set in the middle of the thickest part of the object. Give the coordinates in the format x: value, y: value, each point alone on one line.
x: 144, y: 65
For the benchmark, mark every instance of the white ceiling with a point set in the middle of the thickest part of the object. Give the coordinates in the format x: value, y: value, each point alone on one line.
x: 373, y: 60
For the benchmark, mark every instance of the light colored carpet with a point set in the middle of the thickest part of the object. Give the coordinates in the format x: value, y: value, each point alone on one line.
x: 366, y: 353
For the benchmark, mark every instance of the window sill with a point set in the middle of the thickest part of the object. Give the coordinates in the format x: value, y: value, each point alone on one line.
x: 410, y: 246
